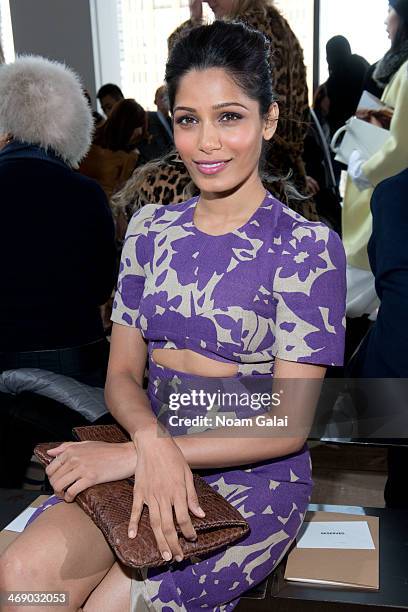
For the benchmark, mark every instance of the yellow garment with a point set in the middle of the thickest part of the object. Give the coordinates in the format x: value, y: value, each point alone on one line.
x: 391, y: 159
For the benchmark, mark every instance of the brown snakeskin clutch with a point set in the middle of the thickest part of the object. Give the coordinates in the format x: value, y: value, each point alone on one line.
x: 109, y: 506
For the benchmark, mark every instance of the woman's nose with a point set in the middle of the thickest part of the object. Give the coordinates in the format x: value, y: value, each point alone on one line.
x: 209, y: 138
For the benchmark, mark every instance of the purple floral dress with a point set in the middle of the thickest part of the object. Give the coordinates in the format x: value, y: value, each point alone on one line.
x: 272, y: 288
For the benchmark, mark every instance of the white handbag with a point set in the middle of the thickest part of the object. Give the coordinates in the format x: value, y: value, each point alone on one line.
x: 360, y: 135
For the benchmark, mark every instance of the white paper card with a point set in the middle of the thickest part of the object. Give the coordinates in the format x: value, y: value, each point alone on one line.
x: 336, y: 534
x: 369, y: 101
x: 21, y: 520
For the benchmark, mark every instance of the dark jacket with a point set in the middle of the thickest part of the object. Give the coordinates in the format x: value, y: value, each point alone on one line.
x: 160, y: 141
x: 384, y: 351
x: 57, y: 252
x: 344, y: 88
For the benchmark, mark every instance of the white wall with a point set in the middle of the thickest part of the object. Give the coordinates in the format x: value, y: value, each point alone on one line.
x: 57, y: 29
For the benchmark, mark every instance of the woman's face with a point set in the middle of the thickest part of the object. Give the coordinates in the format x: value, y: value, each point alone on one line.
x: 392, y: 23
x: 219, y: 133
x: 221, y: 8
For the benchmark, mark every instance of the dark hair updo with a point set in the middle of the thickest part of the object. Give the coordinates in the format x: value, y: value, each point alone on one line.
x: 239, y: 50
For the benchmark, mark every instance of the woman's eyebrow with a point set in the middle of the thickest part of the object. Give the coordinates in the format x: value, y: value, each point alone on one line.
x: 184, y: 108
x: 224, y: 104
x: 215, y: 107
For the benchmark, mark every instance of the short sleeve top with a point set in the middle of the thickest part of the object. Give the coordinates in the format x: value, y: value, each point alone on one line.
x: 274, y: 287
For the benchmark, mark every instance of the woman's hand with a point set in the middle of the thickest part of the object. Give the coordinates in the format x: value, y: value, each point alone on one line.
x: 196, y: 10
x: 355, y: 171
x: 79, y: 465
x: 163, y: 481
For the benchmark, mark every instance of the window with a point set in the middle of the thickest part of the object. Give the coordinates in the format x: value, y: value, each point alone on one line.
x: 6, y: 32
x: 143, y: 31
x: 144, y: 27
x: 158, y: 4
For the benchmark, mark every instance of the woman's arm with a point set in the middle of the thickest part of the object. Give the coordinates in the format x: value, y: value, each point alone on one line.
x: 392, y: 157
x: 130, y: 406
x: 301, y: 385
x: 124, y: 394
x: 163, y: 480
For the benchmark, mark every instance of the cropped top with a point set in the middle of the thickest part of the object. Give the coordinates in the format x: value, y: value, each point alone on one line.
x: 274, y: 287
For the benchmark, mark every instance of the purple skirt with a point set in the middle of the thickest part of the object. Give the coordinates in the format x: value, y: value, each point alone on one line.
x: 272, y: 496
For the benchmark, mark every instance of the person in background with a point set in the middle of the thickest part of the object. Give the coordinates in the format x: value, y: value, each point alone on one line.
x: 109, y: 95
x: 161, y: 100
x: 364, y: 174
x: 97, y: 117
x: 289, y: 77
x: 337, y: 99
x: 345, y: 83
x: 114, y: 153
x: 157, y: 139
x: 383, y: 352
x: 160, y: 141
x: 57, y: 251
x: 378, y: 75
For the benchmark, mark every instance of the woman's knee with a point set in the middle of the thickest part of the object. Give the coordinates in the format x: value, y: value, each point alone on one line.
x: 10, y: 567
x: 22, y: 571
x: 62, y: 551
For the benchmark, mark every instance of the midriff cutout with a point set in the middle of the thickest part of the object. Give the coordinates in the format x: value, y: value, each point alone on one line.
x: 191, y: 362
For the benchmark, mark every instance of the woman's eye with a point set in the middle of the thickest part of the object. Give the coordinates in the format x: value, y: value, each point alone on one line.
x: 185, y: 120
x: 231, y: 117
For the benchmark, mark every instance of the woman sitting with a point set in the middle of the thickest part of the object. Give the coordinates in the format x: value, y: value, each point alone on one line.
x: 226, y: 285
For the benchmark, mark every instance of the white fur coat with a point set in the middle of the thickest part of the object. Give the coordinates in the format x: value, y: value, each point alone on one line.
x: 42, y: 102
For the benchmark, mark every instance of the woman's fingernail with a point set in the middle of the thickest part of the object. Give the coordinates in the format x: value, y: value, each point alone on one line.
x: 132, y: 533
x: 178, y: 558
x: 200, y: 511
x: 166, y: 555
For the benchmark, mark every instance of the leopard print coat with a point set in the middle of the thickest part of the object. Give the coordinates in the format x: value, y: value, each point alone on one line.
x: 164, y: 181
